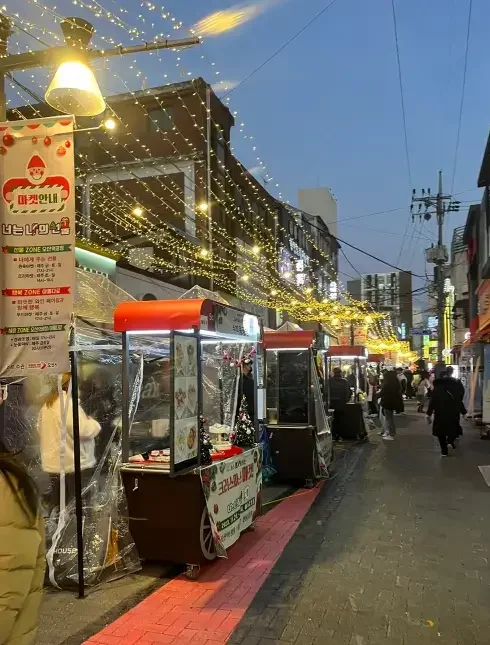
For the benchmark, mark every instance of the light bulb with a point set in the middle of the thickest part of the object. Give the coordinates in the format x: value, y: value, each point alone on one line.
x: 287, y: 275
x: 245, y: 277
x: 203, y: 206
x: 273, y: 292
x: 138, y: 211
x: 309, y: 290
x: 256, y: 249
x: 204, y: 253
x: 110, y: 124
x: 74, y: 90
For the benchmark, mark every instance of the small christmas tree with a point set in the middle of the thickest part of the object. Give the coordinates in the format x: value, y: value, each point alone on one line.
x: 244, y: 430
x: 206, y: 444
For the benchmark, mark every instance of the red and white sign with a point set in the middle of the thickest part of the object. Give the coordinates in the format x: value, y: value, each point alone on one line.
x: 483, y: 293
x: 37, y: 243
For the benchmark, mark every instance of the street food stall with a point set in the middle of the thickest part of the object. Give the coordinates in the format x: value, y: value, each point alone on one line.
x: 191, y: 352
x: 351, y: 359
x: 299, y: 428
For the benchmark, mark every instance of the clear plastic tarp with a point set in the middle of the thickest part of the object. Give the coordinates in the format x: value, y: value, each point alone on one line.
x: 150, y: 361
x: 38, y: 424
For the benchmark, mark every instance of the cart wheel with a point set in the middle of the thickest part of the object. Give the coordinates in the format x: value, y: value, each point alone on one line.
x: 193, y: 571
x: 206, y: 537
x: 309, y: 483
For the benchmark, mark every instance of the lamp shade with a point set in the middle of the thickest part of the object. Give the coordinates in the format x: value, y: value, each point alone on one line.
x: 74, y: 90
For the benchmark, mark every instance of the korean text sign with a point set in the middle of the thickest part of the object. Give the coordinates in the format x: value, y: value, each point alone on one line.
x: 233, y: 492
x: 37, y: 241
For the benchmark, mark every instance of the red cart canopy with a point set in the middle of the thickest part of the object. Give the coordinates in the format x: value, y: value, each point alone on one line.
x: 301, y: 339
x: 161, y: 315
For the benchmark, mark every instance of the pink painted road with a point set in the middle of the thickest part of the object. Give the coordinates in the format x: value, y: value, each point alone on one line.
x: 206, y: 611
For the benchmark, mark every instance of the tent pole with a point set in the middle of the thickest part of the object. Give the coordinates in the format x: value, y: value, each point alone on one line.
x: 78, y: 471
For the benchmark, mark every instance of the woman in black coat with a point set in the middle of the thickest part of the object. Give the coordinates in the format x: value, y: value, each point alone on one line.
x: 446, y: 405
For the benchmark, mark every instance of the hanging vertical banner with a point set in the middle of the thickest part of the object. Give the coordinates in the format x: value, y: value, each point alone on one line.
x: 37, y: 241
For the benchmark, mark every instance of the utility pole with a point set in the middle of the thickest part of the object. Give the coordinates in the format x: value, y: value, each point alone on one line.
x: 429, y: 206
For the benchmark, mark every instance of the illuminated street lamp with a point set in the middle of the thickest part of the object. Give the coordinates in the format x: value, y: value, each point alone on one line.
x: 74, y: 88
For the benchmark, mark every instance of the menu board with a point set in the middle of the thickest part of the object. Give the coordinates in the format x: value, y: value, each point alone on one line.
x: 37, y: 242
x: 184, y: 403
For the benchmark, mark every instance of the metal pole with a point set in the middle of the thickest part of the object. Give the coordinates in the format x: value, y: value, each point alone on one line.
x: 440, y: 273
x: 209, y: 210
x: 87, y: 225
x: 78, y: 471
x: 125, y: 398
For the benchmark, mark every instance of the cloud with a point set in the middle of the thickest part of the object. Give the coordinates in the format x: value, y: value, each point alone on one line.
x: 220, y: 22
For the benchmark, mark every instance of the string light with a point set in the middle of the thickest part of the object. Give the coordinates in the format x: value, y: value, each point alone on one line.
x: 186, y: 251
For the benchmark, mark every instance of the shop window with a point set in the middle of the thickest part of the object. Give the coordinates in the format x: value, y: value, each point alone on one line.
x: 160, y: 120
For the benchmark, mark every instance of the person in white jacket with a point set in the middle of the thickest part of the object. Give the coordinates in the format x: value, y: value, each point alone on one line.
x: 55, y: 430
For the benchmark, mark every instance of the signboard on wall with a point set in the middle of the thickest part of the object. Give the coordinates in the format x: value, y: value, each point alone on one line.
x: 37, y: 241
x: 483, y: 304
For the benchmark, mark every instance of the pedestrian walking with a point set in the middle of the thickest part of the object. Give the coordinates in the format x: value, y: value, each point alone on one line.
x: 371, y: 395
x: 422, y: 389
x: 22, y: 559
x: 340, y: 394
x: 410, y: 389
x: 391, y: 402
x: 446, y: 406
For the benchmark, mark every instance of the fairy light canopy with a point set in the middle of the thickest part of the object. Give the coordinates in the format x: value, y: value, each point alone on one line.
x: 244, y: 239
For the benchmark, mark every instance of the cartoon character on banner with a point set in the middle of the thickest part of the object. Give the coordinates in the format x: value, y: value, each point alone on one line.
x: 22, y: 193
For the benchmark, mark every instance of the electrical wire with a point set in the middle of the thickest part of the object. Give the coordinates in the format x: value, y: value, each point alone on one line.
x: 281, y: 48
x: 404, y: 117
x: 463, y: 90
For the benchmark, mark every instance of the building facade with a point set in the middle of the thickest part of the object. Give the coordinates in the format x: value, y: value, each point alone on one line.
x: 388, y: 293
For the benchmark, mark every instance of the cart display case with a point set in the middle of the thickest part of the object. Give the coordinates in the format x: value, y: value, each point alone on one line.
x: 297, y: 421
x: 351, y: 359
x: 187, y: 372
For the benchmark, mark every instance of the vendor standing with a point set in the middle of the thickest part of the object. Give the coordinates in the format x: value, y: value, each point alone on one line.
x: 247, y: 388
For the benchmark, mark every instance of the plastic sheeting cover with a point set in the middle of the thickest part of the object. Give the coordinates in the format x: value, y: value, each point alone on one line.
x: 45, y: 444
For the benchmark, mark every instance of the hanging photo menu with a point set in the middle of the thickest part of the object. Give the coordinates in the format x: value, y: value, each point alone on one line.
x: 185, y: 407
x: 37, y: 243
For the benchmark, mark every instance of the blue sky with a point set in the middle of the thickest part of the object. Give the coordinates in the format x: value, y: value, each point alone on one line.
x: 326, y: 111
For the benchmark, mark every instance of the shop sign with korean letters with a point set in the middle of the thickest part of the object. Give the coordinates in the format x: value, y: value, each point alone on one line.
x: 37, y: 240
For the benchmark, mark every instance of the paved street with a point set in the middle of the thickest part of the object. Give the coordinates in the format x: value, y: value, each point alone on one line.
x: 396, y: 554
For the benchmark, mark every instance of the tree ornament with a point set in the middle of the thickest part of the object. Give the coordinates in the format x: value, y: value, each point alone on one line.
x: 47, y: 141
x: 8, y: 140
x: 67, y: 144
x: 244, y: 430
x: 61, y: 151
x: 3, y: 150
x: 34, y: 140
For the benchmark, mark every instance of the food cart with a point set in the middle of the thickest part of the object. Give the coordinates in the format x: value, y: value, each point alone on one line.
x: 190, y: 351
x: 298, y: 425
x: 375, y: 363
x: 351, y: 359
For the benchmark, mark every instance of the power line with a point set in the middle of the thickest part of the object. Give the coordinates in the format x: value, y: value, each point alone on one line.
x: 356, y: 248
x: 281, y: 48
x: 463, y: 89
x: 404, y: 116
x: 350, y: 263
